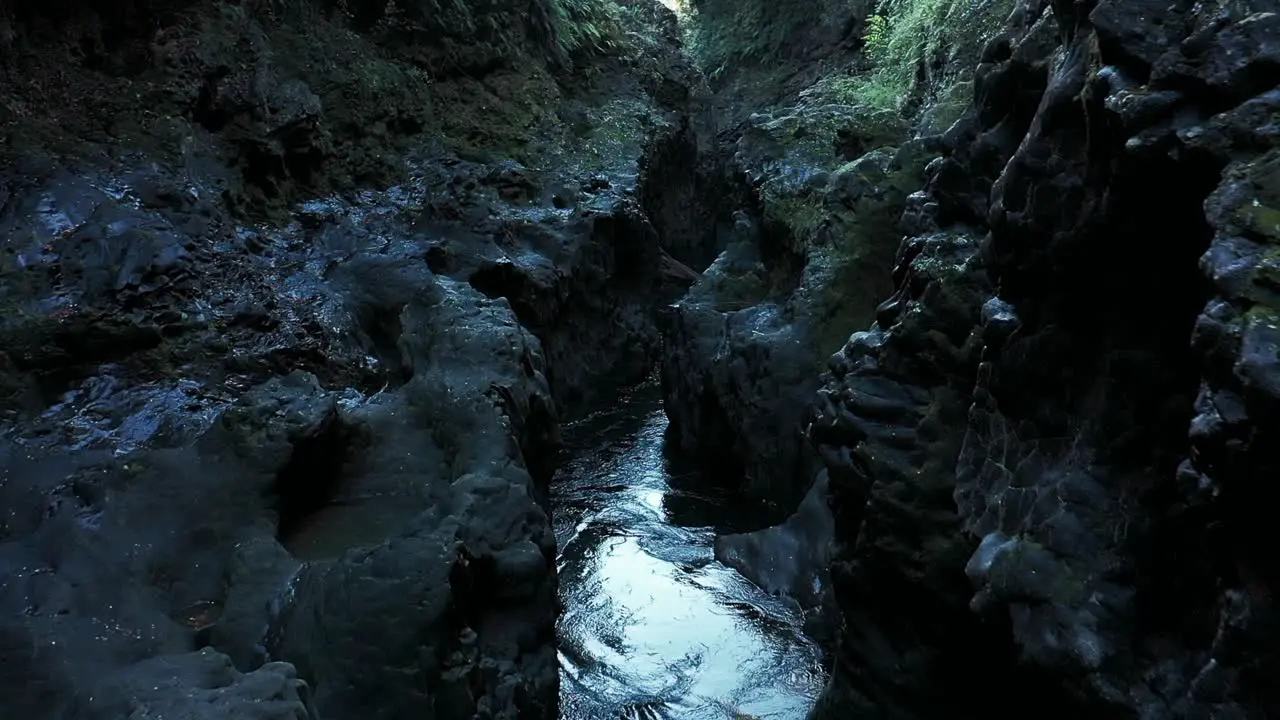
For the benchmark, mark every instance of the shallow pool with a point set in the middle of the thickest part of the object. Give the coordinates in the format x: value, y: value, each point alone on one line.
x: 653, y: 626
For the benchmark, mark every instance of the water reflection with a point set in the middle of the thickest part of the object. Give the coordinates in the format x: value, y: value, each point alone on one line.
x: 653, y: 625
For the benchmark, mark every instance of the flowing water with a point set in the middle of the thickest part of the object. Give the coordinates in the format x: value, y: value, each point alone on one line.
x: 653, y: 626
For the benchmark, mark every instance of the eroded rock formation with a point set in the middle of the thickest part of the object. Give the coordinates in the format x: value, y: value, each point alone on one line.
x: 1045, y: 454
x: 292, y: 309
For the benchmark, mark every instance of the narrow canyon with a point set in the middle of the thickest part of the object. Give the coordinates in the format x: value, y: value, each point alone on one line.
x: 639, y: 360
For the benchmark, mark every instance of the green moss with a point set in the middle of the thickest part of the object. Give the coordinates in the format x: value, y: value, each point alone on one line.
x: 1258, y: 314
x: 837, y: 218
x: 501, y: 116
x: 743, y: 290
x: 853, y: 279
x: 869, y: 89
x: 1261, y: 219
x: 794, y: 148
x: 1260, y: 214
x: 1264, y: 288
x: 850, y: 267
x: 802, y: 215
x: 950, y: 106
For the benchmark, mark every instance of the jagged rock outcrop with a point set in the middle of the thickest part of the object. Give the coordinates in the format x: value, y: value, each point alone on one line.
x: 826, y: 177
x: 586, y: 284
x: 792, y: 559
x: 454, y: 613
x: 742, y: 348
x: 1015, y: 490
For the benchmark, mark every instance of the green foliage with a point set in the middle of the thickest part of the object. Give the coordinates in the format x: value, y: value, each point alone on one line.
x: 856, y: 90
x: 876, y: 35
x: 904, y: 34
x: 729, y: 33
x: 591, y: 26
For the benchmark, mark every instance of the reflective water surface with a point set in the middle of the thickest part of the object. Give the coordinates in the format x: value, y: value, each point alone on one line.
x: 653, y: 626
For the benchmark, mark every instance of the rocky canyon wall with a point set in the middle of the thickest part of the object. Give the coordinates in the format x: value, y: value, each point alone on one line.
x: 293, y: 297
x: 1045, y: 455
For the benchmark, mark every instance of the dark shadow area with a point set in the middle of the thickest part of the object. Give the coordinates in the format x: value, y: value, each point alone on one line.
x: 1123, y: 367
x: 383, y: 327
x: 505, y: 280
x: 111, y: 37
x: 705, y: 494
x: 313, y: 477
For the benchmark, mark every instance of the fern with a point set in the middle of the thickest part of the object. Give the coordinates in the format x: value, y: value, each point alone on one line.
x: 906, y: 33
x: 590, y: 26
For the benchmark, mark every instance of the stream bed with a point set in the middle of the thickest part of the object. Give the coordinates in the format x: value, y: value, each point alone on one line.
x: 653, y: 626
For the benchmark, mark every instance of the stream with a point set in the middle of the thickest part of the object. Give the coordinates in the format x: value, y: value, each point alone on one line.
x: 653, y: 626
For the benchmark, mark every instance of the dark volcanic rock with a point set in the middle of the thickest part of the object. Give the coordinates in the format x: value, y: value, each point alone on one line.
x: 477, y: 558
x: 437, y: 466
x: 300, y: 469
x: 743, y: 348
x: 199, y: 685
x: 792, y: 559
x: 890, y: 443
x: 1008, y: 446
x: 584, y: 282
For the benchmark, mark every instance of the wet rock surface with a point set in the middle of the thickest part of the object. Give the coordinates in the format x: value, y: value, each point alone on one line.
x: 1045, y: 453
x: 283, y: 371
x: 791, y: 560
x: 201, y: 473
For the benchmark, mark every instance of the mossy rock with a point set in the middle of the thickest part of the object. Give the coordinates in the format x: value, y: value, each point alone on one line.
x: 838, y: 216
x: 951, y: 104
x: 738, y: 291
x: 815, y: 137
x: 730, y: 36
x: 851, y: 257
x: 1258, y: 209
